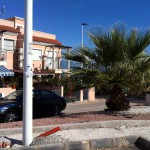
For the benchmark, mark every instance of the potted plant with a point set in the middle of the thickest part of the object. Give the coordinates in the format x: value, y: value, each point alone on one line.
x: 14, y: 82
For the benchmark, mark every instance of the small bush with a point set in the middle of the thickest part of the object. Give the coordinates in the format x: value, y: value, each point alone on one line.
x: 117, y: 101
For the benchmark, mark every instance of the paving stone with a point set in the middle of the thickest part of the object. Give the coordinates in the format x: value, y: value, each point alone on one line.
x: 100, y: 143
x: 77, y: 145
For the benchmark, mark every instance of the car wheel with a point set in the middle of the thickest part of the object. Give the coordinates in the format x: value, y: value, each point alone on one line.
x: 57, y: 110
x: 11, y: 115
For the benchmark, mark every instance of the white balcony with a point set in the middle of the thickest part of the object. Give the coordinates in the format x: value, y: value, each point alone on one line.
x: 60, y: 71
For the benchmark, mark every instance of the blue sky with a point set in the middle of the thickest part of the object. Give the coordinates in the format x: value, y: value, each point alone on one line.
x: 64, y: 17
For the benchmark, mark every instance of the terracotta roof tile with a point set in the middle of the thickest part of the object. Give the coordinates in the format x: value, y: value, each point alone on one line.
x: 46, y: 40
x: 11, y: 29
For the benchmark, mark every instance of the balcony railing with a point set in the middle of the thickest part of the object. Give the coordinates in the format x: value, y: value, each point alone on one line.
x: 2, y: 55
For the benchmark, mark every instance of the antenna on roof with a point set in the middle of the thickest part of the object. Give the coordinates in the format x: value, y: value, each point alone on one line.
x: 2, y: 11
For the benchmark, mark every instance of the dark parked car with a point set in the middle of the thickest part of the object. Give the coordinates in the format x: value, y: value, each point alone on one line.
x: 45, y: 102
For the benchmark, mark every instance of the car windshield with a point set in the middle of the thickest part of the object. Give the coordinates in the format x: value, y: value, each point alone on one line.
x: 13, y: 96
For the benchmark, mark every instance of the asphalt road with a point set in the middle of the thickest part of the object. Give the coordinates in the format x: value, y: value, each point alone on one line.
x: 98, y: 105
x: 78, y: 107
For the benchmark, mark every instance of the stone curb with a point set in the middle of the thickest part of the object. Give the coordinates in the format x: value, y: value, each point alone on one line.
x: 85, y: 145
x: 100, y: 124
x: 112, y: 142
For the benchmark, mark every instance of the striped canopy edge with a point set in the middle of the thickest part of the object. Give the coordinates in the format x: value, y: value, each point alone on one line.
x: 5, y: 72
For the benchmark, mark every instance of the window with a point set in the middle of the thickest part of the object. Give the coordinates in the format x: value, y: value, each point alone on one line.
x: 46, y: 94
x: 50, y: 60
x: 15, y: 95
x: 49, y: 53
x: 56, y: 63
x: 63, y: 64
x: 8, y: 45
x: 37, y: 54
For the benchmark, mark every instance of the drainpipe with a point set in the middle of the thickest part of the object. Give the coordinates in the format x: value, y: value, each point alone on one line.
x: 27, y: 74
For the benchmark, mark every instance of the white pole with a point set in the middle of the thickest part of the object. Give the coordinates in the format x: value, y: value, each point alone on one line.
x: 83, y: 24
x: 82, y: 35
x: 27, y: 72
x: 81, y: 91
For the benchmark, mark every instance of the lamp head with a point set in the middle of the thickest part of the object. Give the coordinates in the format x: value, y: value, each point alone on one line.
x: 84, y: 24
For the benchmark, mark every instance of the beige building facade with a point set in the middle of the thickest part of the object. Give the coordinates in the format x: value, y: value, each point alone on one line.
x: 46, y: 49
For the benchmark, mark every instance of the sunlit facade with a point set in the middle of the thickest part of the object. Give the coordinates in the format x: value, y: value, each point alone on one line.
x: 46, y: 49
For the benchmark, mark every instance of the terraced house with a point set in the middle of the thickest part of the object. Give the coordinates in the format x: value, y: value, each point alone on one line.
x: 46, y: 53
x: 46, y: 50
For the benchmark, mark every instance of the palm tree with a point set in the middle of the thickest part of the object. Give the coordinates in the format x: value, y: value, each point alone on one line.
x: 116, y: 59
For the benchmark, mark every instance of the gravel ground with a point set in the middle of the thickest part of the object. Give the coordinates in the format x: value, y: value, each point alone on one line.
x: 101, y: 133
x: 135, y: 113
x: 64, y: 136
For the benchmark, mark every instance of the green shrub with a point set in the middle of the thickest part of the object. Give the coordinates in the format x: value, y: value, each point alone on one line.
x: 117, y: 101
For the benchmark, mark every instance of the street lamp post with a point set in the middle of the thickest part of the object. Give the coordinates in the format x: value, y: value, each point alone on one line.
x: 83, y: 24
x: 27, y: 75
x: 81, y: 91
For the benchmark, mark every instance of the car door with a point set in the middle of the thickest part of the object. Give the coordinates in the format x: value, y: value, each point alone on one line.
x: 36, y: 103
x: 48, y: 100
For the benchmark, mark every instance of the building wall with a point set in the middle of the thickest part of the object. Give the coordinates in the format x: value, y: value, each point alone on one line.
x: 11, y: 37
x: 37, y: 65
x: 10, y: 60
x: 6, y: 23
x: 17, y: 21
x: 44, y: 35
x: 18, y: 24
